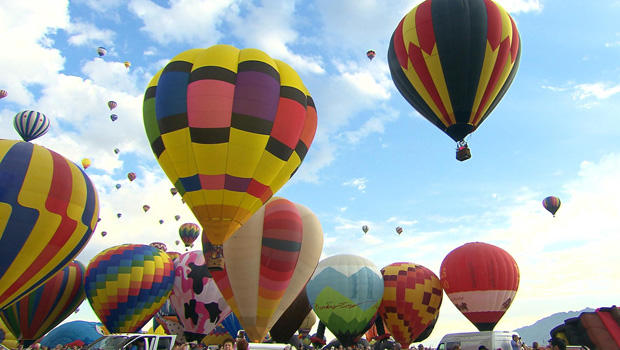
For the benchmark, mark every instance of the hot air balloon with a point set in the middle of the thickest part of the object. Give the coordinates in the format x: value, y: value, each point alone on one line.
x: 453, y: 61
x: 7, y: 338
x: 118, y: 186
x: 370, y: 54
x: 116, y: 151
x: 345, y: 292
x: 261, y: 103
x: 50, y: 212
x: 411, y: 299
x: 173, y: 255
x: 173, y: 191
x: 161, y: 221
x: 31, y: 125
x: 481, y: 280
x: 127, y: 64
x: 188, y: 233
x: 291, y: 320
x: 118, y: 215
x: 48, y: 305
x: 552, y: 204
x: 146, y: 207
x: 131, y: 176
x: 112, y: 104
x: 378, y: 331
x: 281, y: 242
x: 399, y: 230
x: 104, y: 233
x: 98, y: 219
x: 3, y: 94
x: 66, y: 333
x: 127, y: 284
x: 101, y: 51
x: 177, y: 217
x: 177, y: 242
x: 113, y: 117
x: 159, y: 245
x: 85, y: 163
x: 365, y: 228
x: 201, y: 305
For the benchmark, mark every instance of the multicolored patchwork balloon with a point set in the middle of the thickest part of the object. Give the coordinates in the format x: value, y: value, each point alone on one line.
x: 345, y: 293
x: 31, y: 125
x: 188, y: 233
x: 262, y: 261
x: 50, y: 210
x: 229, y: 127
x: 45, y: 307
x: 199, y: 304
x: 412, y: 297
x: 127, y: 284
x: 552, y: 204
x: 481, y: 280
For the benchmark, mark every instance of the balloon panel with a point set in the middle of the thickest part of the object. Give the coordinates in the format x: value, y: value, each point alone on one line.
x: 69, y: 332
x: 454, y: 60
x: 228, y: 152
x: 127, y: 284
x: 31, y: 125
x: 51, y: 222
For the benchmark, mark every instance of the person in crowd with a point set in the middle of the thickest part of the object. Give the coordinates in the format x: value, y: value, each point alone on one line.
x: 557, y: 344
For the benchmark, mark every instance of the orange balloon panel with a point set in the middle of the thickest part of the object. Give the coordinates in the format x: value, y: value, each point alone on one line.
x: 412, y: 296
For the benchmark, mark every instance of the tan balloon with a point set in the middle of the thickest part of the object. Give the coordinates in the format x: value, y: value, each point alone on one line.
x: 259, y: 308
x: 309, y: 321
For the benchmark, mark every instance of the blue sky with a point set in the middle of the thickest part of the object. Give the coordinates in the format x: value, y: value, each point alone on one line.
x: 374, y: 161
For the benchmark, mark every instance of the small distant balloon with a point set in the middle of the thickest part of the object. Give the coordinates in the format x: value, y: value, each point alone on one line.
x: 127, y: 64
x: 161, y: 221
x: 131, y: 176
x: 113, y: 117
x: 3, y: 93
x: 177, y: 242
x: 104, y: 233
x: 370, y: 54
x: 159, y: 245
x: 101, y: 51
x: 177, y: 217
x: 112, y: 104
x: 118, y: 186
x: 30, y: 124
x: 399, y: 230
x: 173, y: 191
x: 552, y: 204
x: 85, y: 163
x: 98, y: 219
x: 365, y: 228
x: 146, y: 208
x: 119, y: 215
x: 116, y: 151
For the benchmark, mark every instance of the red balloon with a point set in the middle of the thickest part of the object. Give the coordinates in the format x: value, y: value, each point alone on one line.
x: 481, y: 280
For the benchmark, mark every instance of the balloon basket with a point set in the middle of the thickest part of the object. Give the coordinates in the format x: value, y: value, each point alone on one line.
x: 463, y: 153
x: 214, y: 256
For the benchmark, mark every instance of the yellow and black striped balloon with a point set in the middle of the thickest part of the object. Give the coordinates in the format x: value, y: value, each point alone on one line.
x: 453, y: 60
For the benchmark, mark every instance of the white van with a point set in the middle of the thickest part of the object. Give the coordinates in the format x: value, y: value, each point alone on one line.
x: 493, y: 340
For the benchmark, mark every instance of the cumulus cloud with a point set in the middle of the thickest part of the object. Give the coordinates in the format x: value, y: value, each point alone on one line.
x: 521, y: 6
x: 587, y: 95
x: 183, y: 21
x: 358, y: 182
x: 83, y: 33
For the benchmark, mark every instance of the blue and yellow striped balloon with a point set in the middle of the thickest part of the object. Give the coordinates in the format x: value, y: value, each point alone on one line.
x: 48, y: 211
x: 127, y: 284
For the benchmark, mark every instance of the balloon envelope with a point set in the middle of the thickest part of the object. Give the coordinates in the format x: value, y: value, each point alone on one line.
x: 3, y: 94
x: 45, y: 307
x: 131, y: 176
x: 101, y: 51
x: 228, y: 152
x: 370, y: 54
x: 200, y: 305
x: 552, y: 204
x: 453, y: 61
x: 412, y: 297
x: 31, y: 125
x: 188, y: 233
x: 481, y: 280
x: 345, y: 292
x: 69, y: 332
x: 86, y: 163
x: 127, y: 284
x: 291, y: 319
x: 112, y: 105
x: 51, y: 210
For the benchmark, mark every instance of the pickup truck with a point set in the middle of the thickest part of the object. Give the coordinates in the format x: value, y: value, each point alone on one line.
x: 133, y: 342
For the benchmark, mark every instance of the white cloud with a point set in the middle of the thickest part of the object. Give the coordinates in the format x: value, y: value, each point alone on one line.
x: 598, y: 91
x: 518, y: 6
x: 183, y: 21
x: 82, y: 33
x: 102, y: 6
x: 359, y: 183
x: 271, y: 30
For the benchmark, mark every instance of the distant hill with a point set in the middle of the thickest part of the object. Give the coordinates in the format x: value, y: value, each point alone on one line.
x: 539, y: 331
